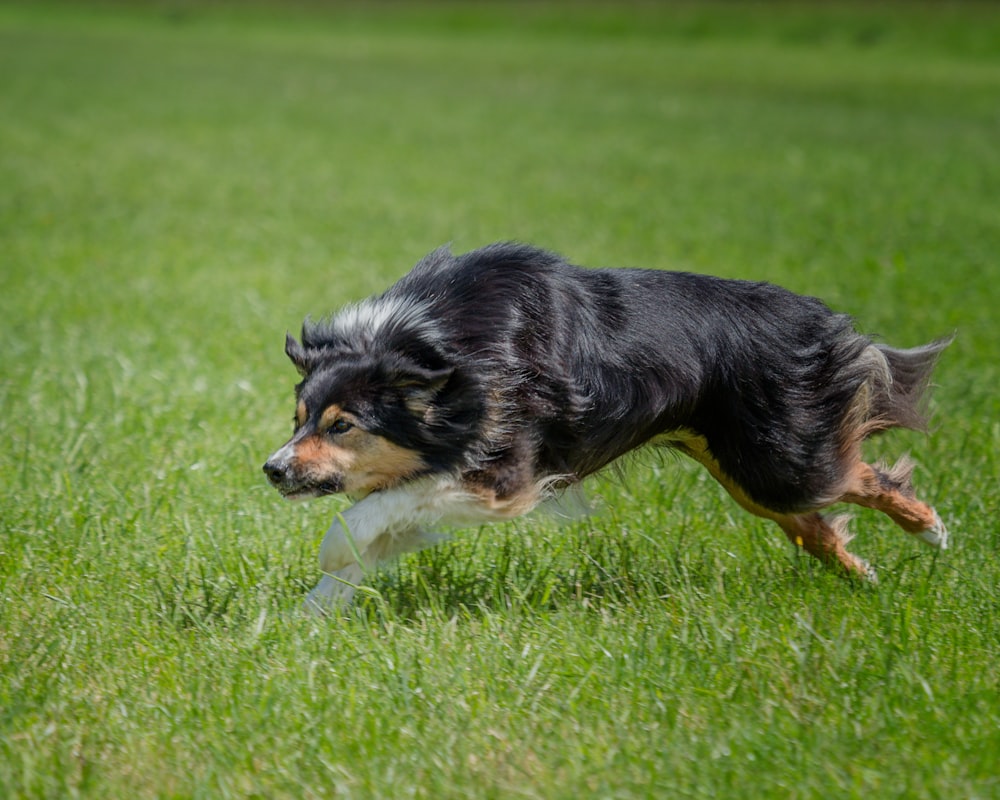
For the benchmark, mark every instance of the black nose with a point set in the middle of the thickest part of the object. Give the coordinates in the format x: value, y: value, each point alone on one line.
x: 275, y: 472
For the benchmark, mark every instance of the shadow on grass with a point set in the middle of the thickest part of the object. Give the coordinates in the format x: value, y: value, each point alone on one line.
x: 508, y: 570
x: 514, y: 569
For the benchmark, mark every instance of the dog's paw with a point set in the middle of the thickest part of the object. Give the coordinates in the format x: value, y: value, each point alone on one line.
x: 316, y: 605
x: 936, y: 535
x: 334, y: 591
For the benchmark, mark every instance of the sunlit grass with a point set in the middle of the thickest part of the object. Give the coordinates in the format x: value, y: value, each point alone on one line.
x: 179, y: 186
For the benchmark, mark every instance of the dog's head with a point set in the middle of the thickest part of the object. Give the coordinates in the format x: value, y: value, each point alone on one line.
x: 363, y: 422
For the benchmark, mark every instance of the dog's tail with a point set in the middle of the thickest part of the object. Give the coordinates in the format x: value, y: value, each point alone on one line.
x: 892, y: 391
x: 900, y: 401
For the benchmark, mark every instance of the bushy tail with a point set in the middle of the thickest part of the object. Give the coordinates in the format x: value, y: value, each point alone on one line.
x: 902, y: 403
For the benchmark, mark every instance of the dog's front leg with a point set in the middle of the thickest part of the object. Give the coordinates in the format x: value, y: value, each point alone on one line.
x: 377, y: 527
x: 334, y: 589
x: 394, y: 512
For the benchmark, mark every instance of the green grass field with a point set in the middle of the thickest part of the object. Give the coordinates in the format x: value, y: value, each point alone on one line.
x: 180, y: 185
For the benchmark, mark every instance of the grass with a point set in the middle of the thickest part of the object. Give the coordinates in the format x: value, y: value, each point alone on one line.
x: 181, y: 184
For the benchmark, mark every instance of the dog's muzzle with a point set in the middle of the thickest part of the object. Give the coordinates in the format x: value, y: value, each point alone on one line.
x: 283, y: 475
x: 279, y: 470
x: 276, y: 472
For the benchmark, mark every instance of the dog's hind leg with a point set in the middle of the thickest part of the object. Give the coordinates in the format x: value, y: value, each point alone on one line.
x: 890, y: 491
x: 826, y: 539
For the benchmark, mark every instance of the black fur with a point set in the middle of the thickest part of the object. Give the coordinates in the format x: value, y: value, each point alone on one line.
x: 507, y: 372
x: 555, y: 370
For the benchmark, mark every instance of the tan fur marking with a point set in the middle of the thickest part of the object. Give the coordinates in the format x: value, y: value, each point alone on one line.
x: 507, y: 507
x: 696, y: 447
x: 316, y: 454
x: 378, y: 463
x: 885, y: 489
x: 890, y: 491
x: 330, y: 415
x: 361, y: 461
x: 824, y: 539
x: 301, y: 414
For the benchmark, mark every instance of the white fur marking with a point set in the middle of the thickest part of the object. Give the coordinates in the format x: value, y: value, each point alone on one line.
x: 936, y: 535
x: 335, y: 589
x: 370, y: 316
x: 383, y: 525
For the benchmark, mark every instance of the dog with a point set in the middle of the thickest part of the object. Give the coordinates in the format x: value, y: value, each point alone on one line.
x: 480, y: 385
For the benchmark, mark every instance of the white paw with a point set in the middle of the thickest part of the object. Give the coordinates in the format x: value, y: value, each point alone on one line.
x: 936, y: 535
x: 333, y: 591
x: 316, y: 604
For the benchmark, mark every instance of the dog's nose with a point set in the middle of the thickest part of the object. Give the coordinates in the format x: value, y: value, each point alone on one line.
x: 275, y: 471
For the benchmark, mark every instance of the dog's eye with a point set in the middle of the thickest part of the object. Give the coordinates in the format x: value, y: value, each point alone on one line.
x: 340, y: 426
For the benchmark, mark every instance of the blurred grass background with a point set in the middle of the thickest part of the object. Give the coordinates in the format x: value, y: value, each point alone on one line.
x: 181, y: 183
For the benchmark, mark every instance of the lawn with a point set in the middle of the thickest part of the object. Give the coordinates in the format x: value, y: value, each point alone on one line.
x: 180, y: 184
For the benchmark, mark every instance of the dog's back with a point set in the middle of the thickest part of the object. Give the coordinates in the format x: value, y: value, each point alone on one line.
x: 585, y: 365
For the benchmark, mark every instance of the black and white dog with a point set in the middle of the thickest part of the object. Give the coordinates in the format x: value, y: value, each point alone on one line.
x: 479, y: 385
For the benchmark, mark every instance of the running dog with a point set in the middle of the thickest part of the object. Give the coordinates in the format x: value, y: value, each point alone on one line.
x: 479, y: 385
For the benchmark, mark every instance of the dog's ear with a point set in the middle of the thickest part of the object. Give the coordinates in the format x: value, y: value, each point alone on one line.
x: 419, y: 388
x: 297, y: 354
